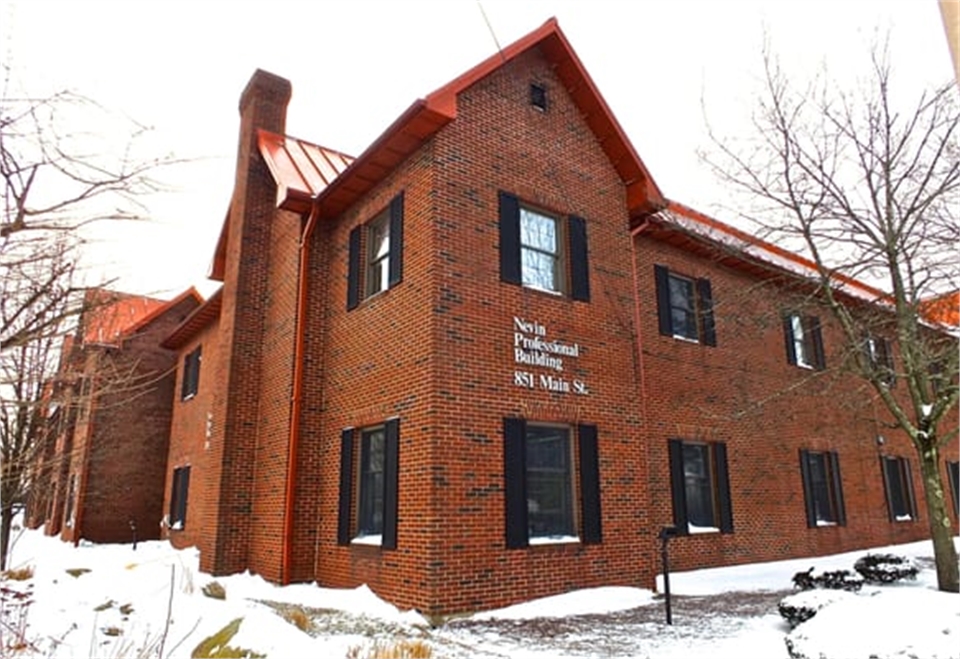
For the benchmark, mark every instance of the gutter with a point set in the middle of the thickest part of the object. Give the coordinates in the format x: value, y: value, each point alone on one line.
x: 297, y: 397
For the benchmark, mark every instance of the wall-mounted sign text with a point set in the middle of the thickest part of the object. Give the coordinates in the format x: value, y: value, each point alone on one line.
x: 532, y: 347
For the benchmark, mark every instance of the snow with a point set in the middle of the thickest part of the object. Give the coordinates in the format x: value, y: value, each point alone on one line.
x: 118, y: 590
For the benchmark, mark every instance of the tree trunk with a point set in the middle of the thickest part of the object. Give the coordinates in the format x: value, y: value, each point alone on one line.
x: 6, y: 525
x: 944, y: 551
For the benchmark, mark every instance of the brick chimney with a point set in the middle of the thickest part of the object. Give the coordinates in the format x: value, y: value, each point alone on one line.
x: 263, y: 105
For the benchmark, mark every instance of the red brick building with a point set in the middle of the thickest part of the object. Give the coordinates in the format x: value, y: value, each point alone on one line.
x: 487, y: 360
x: 103, y: 473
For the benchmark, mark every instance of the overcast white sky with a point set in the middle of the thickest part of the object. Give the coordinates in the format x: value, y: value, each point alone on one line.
x: 180, y: 66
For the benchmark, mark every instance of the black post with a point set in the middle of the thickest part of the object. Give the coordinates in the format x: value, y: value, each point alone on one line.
x: 133, y: 530
x: 665, y: 534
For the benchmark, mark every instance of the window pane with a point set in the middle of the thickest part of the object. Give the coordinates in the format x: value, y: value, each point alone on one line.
x: 538, y: 231
x: 378, y: 255
x: 799, y: 341
x: 820, y: 488
x: 549, y: 490
x: 370, y: 518
x: 898, y: 495
x: 698, y: 485
x: 539, y: 270
x: 683, y: 317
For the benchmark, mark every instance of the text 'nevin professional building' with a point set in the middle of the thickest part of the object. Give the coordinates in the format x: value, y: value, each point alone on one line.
x: 487, y: 360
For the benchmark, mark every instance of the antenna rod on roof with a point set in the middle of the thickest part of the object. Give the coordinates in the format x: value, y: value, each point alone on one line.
x: 492, y: 33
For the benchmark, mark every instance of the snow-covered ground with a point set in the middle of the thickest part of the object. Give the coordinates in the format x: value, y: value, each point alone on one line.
x: 111, y: 601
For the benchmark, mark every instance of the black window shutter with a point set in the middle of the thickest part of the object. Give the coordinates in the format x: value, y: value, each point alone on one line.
x: 705, y: 294
x: 788, y: 339
x: 661, y: 277
x: 808, y: 502
x: 678, y: 486
x: 346, y: 486
x: 515, y: 483
x: 353, y: 270
x: 185, y: 380
x: 912, y: 499
x: 391, y: 482
x: 196, y: 369
x: 838, y: 487
x: 183, y: 491
x: 723, y: 488
x: 396, y: 240
x: 509, y: 238
x: 591, y: 529
x: 887, y: 465
x: 953, y: 475
x: 579, y: 265
x: 816, y: 337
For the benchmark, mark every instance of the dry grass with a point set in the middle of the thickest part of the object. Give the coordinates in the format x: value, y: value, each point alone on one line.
x: 399, y: 649
x: 214, y: 590
x: 299, y: 618
x: 19, y: 574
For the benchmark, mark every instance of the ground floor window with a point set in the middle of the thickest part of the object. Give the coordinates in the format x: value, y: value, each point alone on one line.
x: 543, y: 474
x: 69, y: 511
x: 822, y: 488
x: 179, y: 490
x: 700, y: 486
x: 369, y: 481
x: 898, y: 483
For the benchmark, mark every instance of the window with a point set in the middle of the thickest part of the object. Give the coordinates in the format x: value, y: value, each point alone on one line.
x: 538, y: 96
x: 539, y: 483
x: 822, y: 488
x: 684, y: 307
x: 700, y: 486
x: 191, y: 375
x: 376, y: 462
x: 953, y: 475
x: 879, y: 356
x: 542, y: 251
x: 178, y: 498
x: 804, y: 341
x: 901, y: 504
x: 370, y: 515
x: 381, y: 265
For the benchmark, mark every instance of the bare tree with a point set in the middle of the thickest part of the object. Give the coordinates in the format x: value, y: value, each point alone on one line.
x: 869, y: 189
x: 61, y: 170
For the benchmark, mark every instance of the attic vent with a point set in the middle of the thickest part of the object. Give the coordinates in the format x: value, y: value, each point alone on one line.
x: 538, y: 96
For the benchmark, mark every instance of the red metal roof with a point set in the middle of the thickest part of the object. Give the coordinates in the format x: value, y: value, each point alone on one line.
x: 943, y: 309
x: 681, y: 222
x: 292, y: 161
x: 302, y: 170
x: 201, y: 317
x: 113, y: 316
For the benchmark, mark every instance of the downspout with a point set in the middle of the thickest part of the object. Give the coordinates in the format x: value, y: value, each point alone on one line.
x: 296, y: 399
x: 636, y: 231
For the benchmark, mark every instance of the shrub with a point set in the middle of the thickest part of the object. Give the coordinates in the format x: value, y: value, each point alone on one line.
x: 802, y: 606
x: 885, y: 568
x: 399, y: 649
x: 833, y: 580
x: 214, y: 590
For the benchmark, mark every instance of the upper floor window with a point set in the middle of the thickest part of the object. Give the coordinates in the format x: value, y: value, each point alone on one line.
x: 375, y: 261
x: 684, y: 307
x: 822, y: 488
x: 540, y: 473
x: 190, y: 383
x: 542, y: 251
x: 368, y: 511
x: 700, y: 486
x: 804, y: 341
x: 879, y: 356
x: 953, y: 475
x: 898, y: 484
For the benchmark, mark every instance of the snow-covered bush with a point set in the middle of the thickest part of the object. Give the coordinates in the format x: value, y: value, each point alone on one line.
x: 833, y: 580
x: 802, y: 606
x: 885, y: 568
